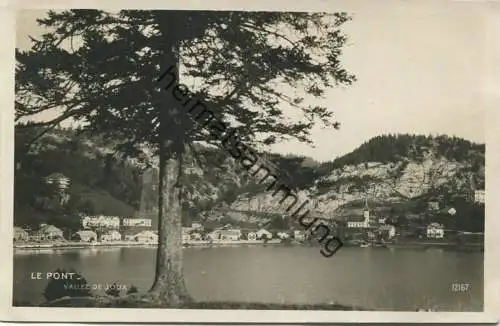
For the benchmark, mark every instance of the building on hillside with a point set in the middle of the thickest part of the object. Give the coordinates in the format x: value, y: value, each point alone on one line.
x: 299, y: 235
x: 264, y: 234
x: 433, y: 206
x: 252, y: 236
x: 101, y: 221
x: 452, y: 211
x: 137, y: 222
x: 479, y: 196
x: 112, y: 235
x: 382, y: 220
x: 20, y: 234
x: 48, y: 232
x: 85, y: 236
x: 60, y: 180
x: 435, y: 231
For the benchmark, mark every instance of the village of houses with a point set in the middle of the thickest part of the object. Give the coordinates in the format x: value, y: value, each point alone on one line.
x: 363, y: 230
x: 113, y: 230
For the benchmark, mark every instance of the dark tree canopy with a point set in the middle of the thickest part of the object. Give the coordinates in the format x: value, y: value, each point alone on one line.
x: 100, y: 68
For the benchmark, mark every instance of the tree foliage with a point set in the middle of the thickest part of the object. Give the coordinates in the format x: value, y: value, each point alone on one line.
x: 99, y: 68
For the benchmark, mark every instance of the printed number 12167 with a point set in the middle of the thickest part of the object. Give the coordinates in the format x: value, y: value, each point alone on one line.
x: 460, y: 287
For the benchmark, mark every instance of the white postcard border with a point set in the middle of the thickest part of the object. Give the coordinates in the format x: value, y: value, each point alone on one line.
x: 492, y: 240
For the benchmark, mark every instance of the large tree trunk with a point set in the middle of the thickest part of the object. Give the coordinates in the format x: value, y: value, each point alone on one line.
x: 169, y: 287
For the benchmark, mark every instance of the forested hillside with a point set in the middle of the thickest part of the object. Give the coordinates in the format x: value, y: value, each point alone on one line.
x: 391, y: 168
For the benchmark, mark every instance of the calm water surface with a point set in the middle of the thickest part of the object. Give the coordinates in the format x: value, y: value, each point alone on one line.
x: 374, y: 278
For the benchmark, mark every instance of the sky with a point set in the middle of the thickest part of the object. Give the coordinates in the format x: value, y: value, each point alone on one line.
x: 419, y: 69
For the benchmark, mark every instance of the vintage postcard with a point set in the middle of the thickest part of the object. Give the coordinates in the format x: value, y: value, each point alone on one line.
x: 249, y: 162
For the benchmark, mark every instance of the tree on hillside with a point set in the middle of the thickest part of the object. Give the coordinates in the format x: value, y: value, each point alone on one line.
x: 102, y: 68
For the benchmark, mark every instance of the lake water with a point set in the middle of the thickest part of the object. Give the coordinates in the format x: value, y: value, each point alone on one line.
x: 374, y: 278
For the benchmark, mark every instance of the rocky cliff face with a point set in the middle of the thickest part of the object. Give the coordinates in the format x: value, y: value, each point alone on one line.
x: 429, y: 176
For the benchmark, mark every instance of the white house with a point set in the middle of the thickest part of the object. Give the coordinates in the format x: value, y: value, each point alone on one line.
x: 231, y: 234
x: 112, y: 235
x: 263, y: 233
x: 20, y: 234
x: 186, y: 237
x: 48, y: 232
x: 452, y: 211
x: 299, y: 235
x: 136, y: 222
x: 283, y: 235
x: 111, y: 222
x: 435, y: 231
x: 388, y: 229
x: 252, y: 236
x: 196, y: 236
x: 479, y: 196
x: 146, y: 236
x: 86, y: 236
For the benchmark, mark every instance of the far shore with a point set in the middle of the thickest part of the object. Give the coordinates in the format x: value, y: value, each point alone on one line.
x: 227, y: 243
x: 79, y: 244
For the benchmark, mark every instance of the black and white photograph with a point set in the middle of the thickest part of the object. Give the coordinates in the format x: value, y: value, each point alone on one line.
x: 260, y: 160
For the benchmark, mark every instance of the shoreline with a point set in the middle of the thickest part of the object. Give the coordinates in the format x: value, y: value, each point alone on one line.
x: 228, y: 243
x: 125, y: 244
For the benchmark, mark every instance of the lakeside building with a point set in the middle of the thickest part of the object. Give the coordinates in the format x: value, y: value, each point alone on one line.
x: 112, y: 235
x: 252, y: 236
x: 435, y: 231
x: 299, y: 235
x: 145, y: 236
x: 361, y: 222
x: 263, y: 233
x: 101, y: 221
x: 47, y: 232
x: 137, y: 222
x: 186, y: 237
x: 85, y: 236
x: 283, y: 235
x: 225, y: 234
x: 387, y: 230
x: 196, y: 236
x: 20, y: 234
